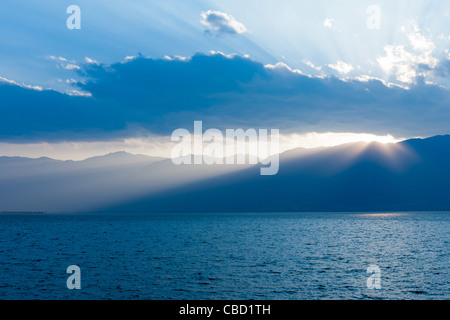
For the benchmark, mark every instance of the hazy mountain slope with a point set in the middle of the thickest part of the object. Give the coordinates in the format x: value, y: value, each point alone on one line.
x: 60, y: 186
x: 412, y: 175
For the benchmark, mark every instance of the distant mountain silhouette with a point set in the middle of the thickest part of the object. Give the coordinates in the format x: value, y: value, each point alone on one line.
x: 411, y: 175
x: 37, y: 185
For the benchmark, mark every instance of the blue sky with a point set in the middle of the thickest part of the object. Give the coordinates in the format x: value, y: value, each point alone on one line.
x: 144, y: 68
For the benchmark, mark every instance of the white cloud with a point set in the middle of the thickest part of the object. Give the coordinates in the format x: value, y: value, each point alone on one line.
x: 12, y: 82
x: 367, y: 78
x: 342, y: 67
x: 407, y: 62
x: 332, y: 24
x: 283, y: 66
x: 71, y: 66
x: 442, y: 36
x: 78, y: 93
x: 90, y: 61
x: 221, y: 23
x: 420, y: 43
x: 229, y: 56
x: 60, y: 59
x: 328, y: 23
x: 67, y: 64
x: 311, y: 65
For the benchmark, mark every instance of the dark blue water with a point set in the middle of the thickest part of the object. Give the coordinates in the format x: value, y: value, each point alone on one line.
x: 226, y: 256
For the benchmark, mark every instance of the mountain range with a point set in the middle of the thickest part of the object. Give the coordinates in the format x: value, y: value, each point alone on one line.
x: 406, y: 176
x: 410, y: 175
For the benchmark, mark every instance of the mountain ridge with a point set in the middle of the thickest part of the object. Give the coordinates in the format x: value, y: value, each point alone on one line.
x: 409, y: 175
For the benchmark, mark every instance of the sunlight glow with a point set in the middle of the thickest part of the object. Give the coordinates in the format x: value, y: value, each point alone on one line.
x: 162, y: 146
x: 330, y: 139
x: 384, y: 215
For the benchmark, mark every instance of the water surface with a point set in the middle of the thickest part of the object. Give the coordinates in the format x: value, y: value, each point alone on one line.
x: 226, y: 256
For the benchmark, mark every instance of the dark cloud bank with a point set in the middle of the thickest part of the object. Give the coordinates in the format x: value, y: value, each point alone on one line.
x: 160, y: 95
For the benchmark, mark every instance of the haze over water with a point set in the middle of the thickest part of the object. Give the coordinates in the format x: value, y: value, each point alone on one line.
x: 226, y: 256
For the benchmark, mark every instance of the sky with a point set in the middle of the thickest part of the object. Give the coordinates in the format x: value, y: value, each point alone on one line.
x: 323, y: 72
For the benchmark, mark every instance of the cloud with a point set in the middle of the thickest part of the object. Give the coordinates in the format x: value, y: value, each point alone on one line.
x: 407, y: 62
x: 442, y: 36
x: 311, y: 65
x: 12, y: 82
x: 219, y: 23
x: 283, y: 68
x: 328, y: 23
x: 156, y: 96
x: 90, y: 61
x: 443, y: 69
x: 420, y: 43
x: 332, y: 24
x: 63, y: 63
x: 71, y: 66
x: 58, y: 59
x: 342, y: 67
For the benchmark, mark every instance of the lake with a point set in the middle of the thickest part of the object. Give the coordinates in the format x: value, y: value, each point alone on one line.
x: 281, y: 256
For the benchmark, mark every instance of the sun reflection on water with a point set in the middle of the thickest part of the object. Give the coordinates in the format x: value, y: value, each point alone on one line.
x: 384, y: 214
